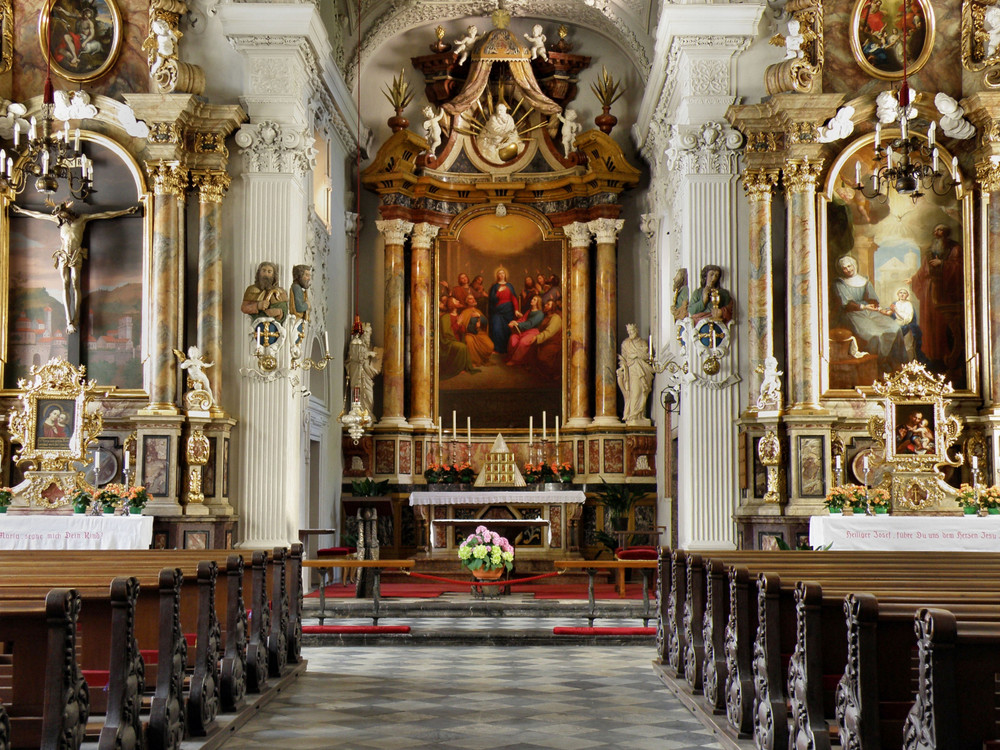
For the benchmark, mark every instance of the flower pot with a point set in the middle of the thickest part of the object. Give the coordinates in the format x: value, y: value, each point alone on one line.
x: 488, y: 575
x: 881, y: 510
x: 970, y: 510
x: 836, y: 511
x: 993, y: 511
x: 3, y: 508
x: 108, y: 510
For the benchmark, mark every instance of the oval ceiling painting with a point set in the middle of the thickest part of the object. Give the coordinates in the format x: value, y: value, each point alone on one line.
x: 890, y: 36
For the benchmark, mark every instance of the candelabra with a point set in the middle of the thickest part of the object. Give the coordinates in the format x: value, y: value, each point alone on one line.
x: 358, y: 419
x: 902, y: 164
x: 46, y: 154
x: 309, y: 364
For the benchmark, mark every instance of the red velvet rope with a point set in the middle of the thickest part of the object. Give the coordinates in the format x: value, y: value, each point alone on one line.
x: 483, y: 583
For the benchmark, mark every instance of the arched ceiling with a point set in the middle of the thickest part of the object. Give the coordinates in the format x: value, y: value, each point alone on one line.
x: 626, y: 24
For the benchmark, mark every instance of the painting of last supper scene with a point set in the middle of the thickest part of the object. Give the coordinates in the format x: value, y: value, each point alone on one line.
x: 500, y: 321
x: 899, y: 283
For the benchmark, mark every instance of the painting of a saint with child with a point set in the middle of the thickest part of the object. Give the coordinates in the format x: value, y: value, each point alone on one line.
x: 500, y: 321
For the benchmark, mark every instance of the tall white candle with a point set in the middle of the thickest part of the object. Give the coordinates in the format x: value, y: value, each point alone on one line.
x: 440, y: 436
x: 878, y: 134
x: 454, y: 424
x: 857, y: 173
x: 76, y: 140
x: 650, y: 356
x: 17, y: 134
x: 531, y: 430
x: 954, y: 168
x: 975, y: 463
x: 128, y: 460
x: 545, y: 433
x: 326, y: 342
x: 557, y: 431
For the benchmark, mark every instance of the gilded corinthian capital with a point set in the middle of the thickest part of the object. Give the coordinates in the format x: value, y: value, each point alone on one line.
x: 988, y: 177
x: 801, y: 177
x: 758, y: 184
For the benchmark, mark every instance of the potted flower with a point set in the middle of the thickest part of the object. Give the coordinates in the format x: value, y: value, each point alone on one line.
x: 969, y: 498
x: 837, y: 498
x: 566, y: 472
x: 486, y: 554
x: 532, y: 473
x: 81, y: 501
x: 879, y: 499
x: 857, y: 497
x: 136, y: 498
x: 617, y: 500
x: 990, y: 499
x: 433, y: 473
x: 6, y: 497
x: 465, y: 473
x: 449, y: 473
x: 108, y: 499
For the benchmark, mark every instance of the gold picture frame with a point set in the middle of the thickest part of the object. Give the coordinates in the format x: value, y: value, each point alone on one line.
x: 54, y: 423
x: 892, y: 244
x: 80, y: 39
x: 876, y: 36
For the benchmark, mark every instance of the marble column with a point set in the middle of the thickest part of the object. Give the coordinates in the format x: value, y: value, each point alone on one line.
x: 212, y: 187
x: 988, y: 177
x: 606, y: 322
x: 760, y: 299
x: 395, y: 232
x: 579, y: 235
x: 421, y: 326
x: 803, y: 287
x: 169, y: 180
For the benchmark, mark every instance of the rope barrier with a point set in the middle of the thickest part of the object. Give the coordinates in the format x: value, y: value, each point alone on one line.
x: 512, y: 582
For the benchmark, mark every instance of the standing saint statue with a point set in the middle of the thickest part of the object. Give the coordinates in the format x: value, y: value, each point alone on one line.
x: 364, y: 362
x: 71, y: 253
x: 635, y: 376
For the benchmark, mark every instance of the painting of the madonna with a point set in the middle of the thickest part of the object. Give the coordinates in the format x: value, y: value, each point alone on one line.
x: 500, y: 320
x: 899, y: 281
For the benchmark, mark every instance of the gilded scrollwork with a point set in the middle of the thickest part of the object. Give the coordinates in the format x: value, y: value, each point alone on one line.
x: 980, y: 41
x: 769, y: 450
x: 765, y: 142
x: 802, y: 70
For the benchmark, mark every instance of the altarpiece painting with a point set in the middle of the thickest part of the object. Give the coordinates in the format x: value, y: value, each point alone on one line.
x: 500, y: 319
x: 898, y: 280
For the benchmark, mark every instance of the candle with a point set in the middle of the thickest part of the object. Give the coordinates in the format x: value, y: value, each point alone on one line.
x: 557, y: 432
x: 975, y: 463
x: 531, y: 430
x: 76, y: 140
x: 31, y: 130
x: 857, y: 173
x: 258, y: 338
x: 454, y: 424
x: 864, y: 464
x: 326, y: 343
x: 904, y: 125
x: 440, y: 436
x: 934, y: 158
x: 10, y: 167
x: 17, y: 133
x: 545, y: 433
x: 931, y: 131
x: 128, y: 460
x: 45, y: 162
x: 468, y: 431
x: 65, y: 134
x: 878, y: 135
x: 650, y: 358
x: 837, y: 463
x: 954, y: 168
x: 888, y: 155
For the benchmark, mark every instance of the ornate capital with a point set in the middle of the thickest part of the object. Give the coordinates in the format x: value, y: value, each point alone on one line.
x: 269, y: 147
x: 758, y: 184
x: 212, y: 185
x: 169, y: 178
x: 424, y: 234
x: 578, y: 233
x: 988, y: 176
x: 606, y: 230
x: 801, y: 176
x: 352, y: 224
x: 394, y: 230
x: 712, y: 148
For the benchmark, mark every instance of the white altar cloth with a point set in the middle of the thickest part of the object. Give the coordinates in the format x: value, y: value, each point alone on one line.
x: 501, y: 497
x: 906, y: 533
x: 75, y: 532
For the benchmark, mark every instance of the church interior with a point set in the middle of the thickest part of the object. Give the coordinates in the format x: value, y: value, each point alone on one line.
x: 675, y: 291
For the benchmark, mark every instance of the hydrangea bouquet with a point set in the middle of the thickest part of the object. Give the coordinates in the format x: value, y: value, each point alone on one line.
x: 486, y: 550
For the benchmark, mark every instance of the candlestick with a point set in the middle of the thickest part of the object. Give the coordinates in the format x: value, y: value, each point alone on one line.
x: 545, y: 433
x: 468, y: 431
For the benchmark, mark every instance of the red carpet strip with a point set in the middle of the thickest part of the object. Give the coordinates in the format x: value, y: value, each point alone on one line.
x: 602, y: 631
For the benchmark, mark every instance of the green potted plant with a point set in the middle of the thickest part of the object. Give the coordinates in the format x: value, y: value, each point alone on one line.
x: 879, y: 499
x: 108, y: 499
x: 136, y: 498
x: 990, y: 500
x: 837, y: 498
x: 6, y: 497
x: 618, y: 500
x: 368, y: 487
x: 81, y: 501
x: 566, y: 472
x: 433, y: 473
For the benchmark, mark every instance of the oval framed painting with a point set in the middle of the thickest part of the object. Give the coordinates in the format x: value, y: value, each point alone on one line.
x: 885, y: 34
x: 80, y: 38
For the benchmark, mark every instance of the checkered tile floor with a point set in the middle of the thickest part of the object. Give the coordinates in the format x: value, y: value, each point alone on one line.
x: 476, y: 697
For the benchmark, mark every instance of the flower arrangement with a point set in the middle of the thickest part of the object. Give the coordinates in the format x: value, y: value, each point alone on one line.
x: 109, y: 497
x: 839, y: 497
x: 486, y: 550
x: 879, y: 497
x: 969, y: 496
x: 136, y: 496
x: 990, y: 498
x: 566, y: 471
x: 6, y: 496
x: 436, y: 473
x: 540, y: 472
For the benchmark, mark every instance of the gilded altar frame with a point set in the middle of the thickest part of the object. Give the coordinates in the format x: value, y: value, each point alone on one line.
x: 956, y: 209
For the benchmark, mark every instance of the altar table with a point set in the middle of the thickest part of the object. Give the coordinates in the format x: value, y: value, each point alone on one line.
x: 75, y: 532
x: 906, y: 533
x: 497, y: 497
